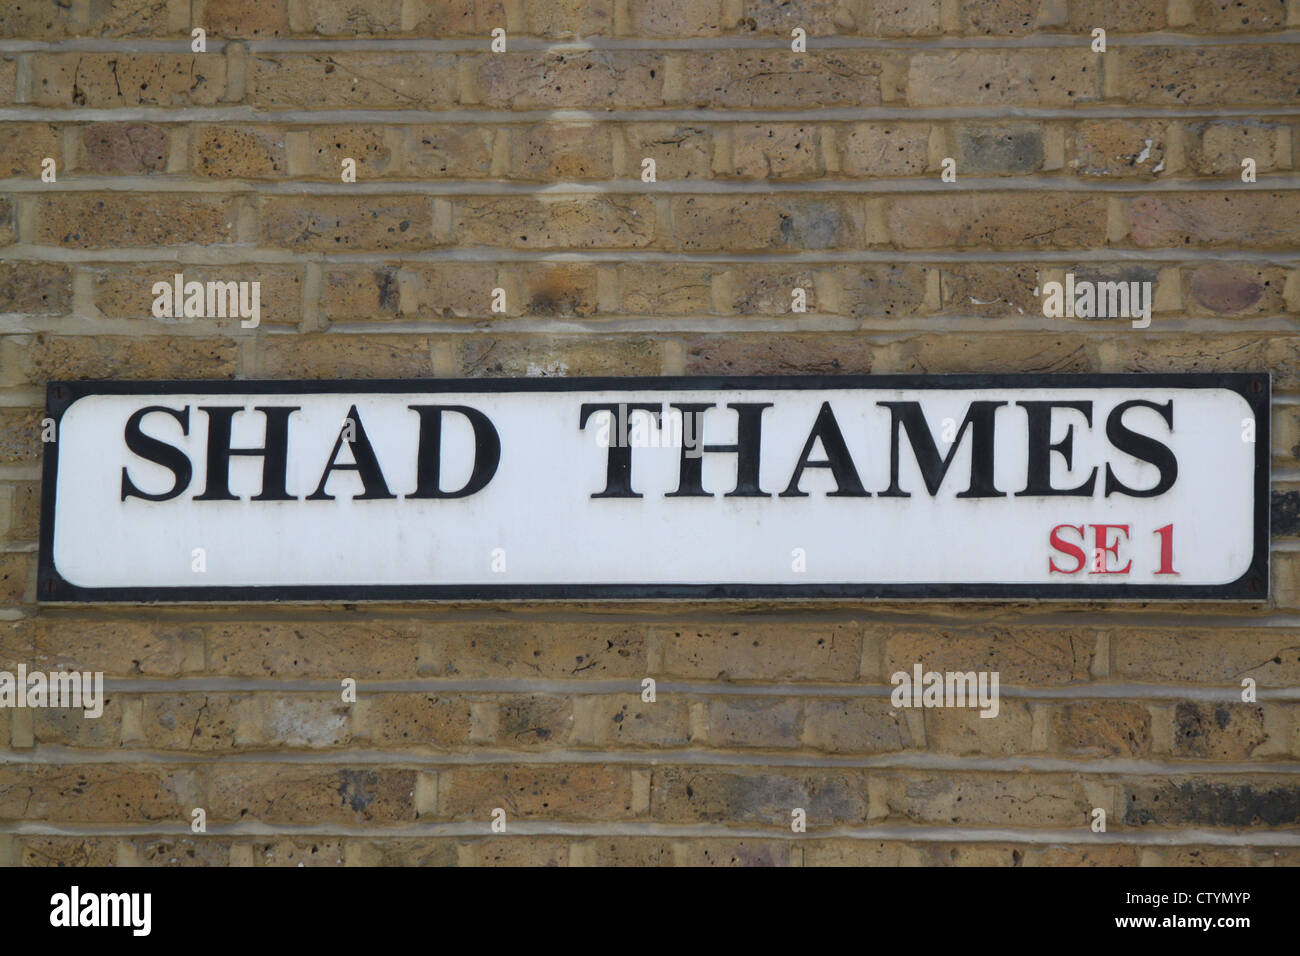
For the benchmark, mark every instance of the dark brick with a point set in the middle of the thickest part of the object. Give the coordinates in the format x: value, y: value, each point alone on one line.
x: 125, y: 148
x: 1226, y: 288
x: 996, y: 149
x: 1209, y: 803
x: 1284, y: 516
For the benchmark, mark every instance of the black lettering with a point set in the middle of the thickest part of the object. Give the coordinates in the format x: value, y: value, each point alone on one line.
x: 749, y: 437
x: 366, y: 465
x: 838, y: 460
x: 1142, y: 447
x: 618, y: 467
x: 1039, y: 471
x: 487, y: 451
x: 980, y: 419
x: 158, y: 452
x: 274, y: 454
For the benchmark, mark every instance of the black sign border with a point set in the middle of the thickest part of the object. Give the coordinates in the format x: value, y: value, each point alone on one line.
x: 1253, y: 585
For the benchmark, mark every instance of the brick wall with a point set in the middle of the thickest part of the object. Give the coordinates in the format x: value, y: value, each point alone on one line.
x: 522, y: 171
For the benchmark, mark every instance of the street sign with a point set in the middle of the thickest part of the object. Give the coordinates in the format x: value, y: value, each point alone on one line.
x: 920, y: 487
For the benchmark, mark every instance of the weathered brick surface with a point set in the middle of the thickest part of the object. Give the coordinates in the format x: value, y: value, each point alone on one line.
x: 243, y: 18
x: 483, y: 357
x: 553, y: 792
x: 534, y: 722
x: 791, y: 354
x: 295, y: 853
x: 965, y: 731
x: 1104, y: 728
x: 81, y: 221
x: 1137, y: 17
x: 1226, y: 731
x: 64, y: 851
x: 39, y: 288
x: 1235, y: 290
x: 325, y: 356
x: 117, y: 648
x: 883, y: 290
x: 101, y: 793
x: 522, y: 171
x: 1238, y: 802
x: 430, y: 152
x: 767, y: 290
x: 561, y: 153
x: 856, y: 725
x: 680, y: 150
x: 1118, y: 148
x: 296, y: 649
x: 1240, y: 352
x: 781, y: 79
x: 251, y: 19
x: 1286, y: 432
x: 182, y: 851
x: 359, y: 80
x: 625, y: 720
x: 1241, y: 15
x: 407, y: 720
x: 7, y: 230
x: 433, y: 852
x: 443, y: 290
x: 1217, y: 148
x: 558, y: 19
x: 751, y: 224
x: 125, y: 292
x: 8, y: 78
x: 667, y: 290
x: 777, y: 152
x: 547, y: 289
x: 71, y: 727
x: 280, y: 793
x: 585, y: 80
x: 225, y: 152
x: 464, y: 17
x: 23, y: 147
x: 481, y: 651
x: 37, y: 21
x: 126, y: 148
x: 110, y: 79
x: 776, y: 652
x: 1255, y: 220
x: 1020, y: 655
x: 985, y: 799
x: 1213, y: 76
x: 985, y: 289
x: 758, y: 798
x: 25, y: 502
x: 14, y: 573
x: 996, y: 221
x: 1011, y: 78
x: 883, y: 149
x: 1200, y: 656
x: 342, y: 223
x: 44, y: 357
x: 362, y: 293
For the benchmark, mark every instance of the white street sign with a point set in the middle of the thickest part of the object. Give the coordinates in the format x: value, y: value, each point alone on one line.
x: 1050, y: 487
